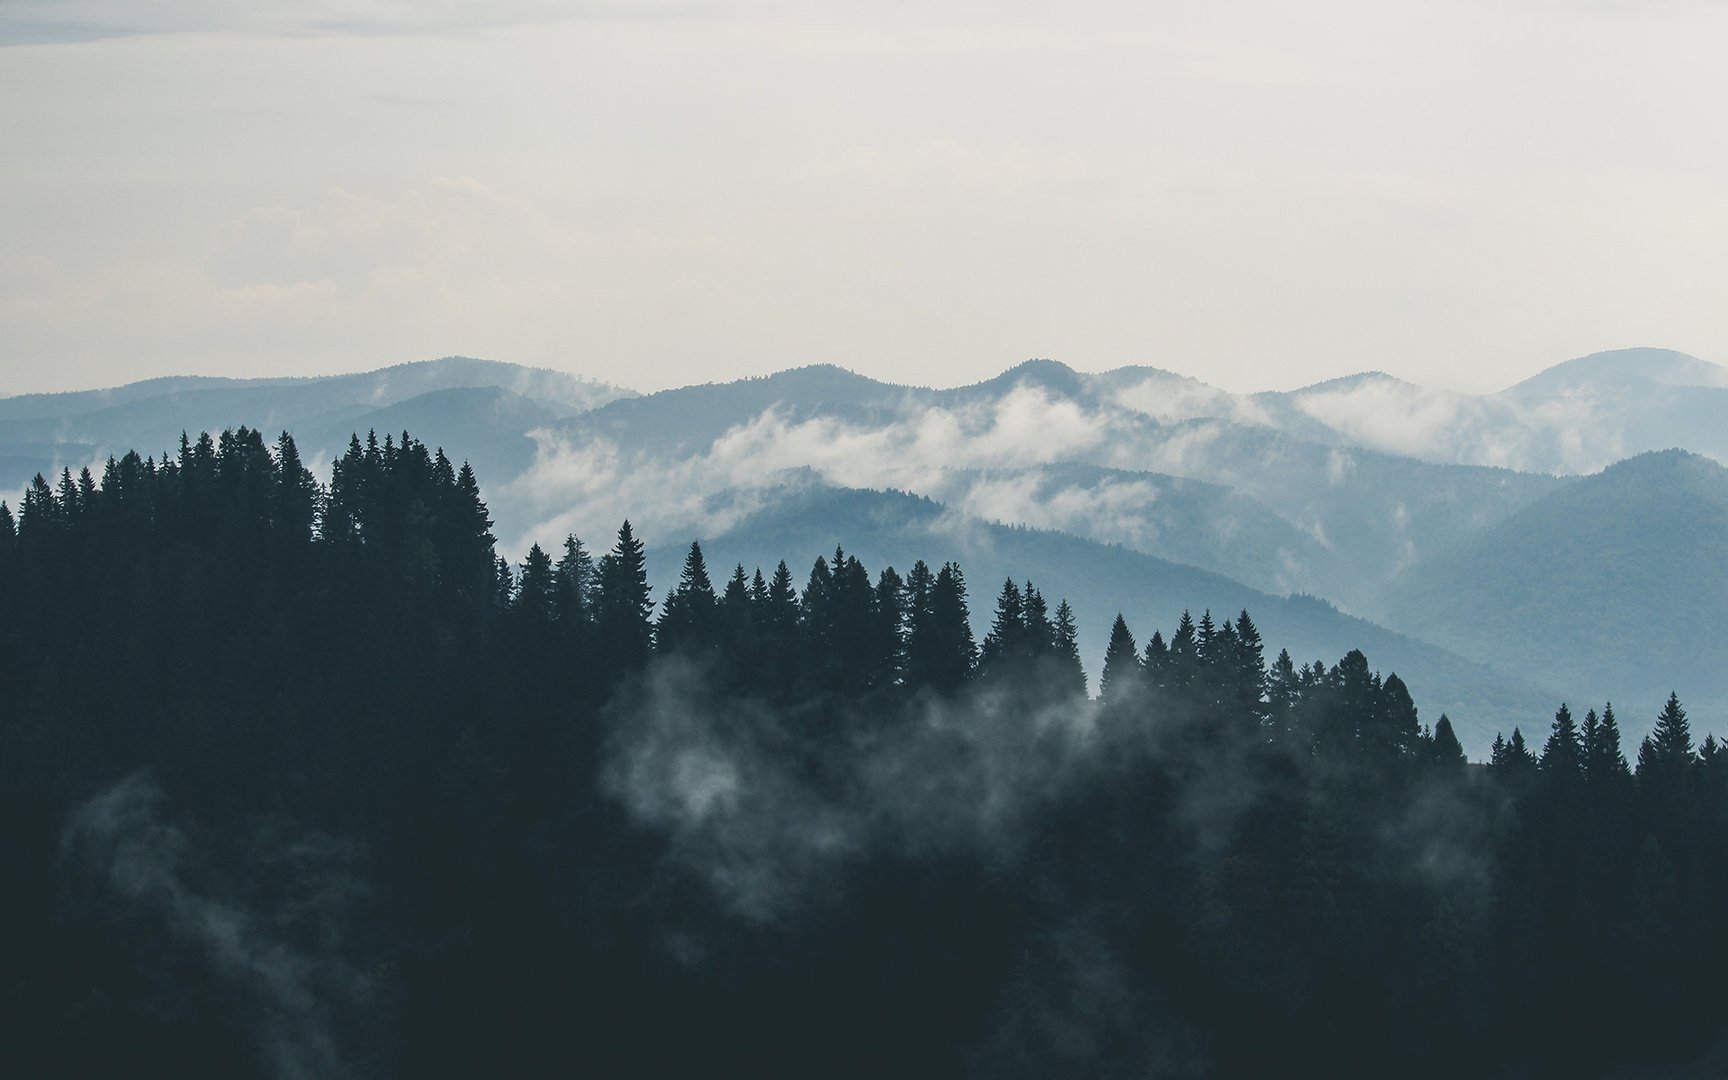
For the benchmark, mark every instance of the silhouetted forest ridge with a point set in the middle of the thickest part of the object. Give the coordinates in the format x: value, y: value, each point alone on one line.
x: 301, y: 779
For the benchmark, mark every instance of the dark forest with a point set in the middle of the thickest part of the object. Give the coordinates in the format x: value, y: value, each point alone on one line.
x: 303, y: 780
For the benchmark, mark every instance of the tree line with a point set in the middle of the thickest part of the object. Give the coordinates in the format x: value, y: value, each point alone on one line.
x: 305, y: 776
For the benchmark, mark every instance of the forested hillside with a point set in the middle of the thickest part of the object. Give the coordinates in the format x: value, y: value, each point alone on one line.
x: 302, y: 779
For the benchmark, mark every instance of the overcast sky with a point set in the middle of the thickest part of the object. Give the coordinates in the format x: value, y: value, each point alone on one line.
x: 653, y: 192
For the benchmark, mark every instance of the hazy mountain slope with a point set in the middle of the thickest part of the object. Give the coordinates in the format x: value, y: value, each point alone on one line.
x: 1330, y: 520
x: 43, y: 432
x: 1614, y: 586
x: 1182, y: 520
x: 689, y: 419
x: 1621, y: 370
x: 485, y: 426
x: 1576, y: 417
x: 885, y: 528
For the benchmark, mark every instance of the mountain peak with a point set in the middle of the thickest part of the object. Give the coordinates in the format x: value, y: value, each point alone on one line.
x: 1605, y: 372
x: 1347, y: 382
x: 1052, y: 375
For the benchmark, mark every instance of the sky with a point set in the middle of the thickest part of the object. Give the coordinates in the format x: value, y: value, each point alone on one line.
x: 657, y: 192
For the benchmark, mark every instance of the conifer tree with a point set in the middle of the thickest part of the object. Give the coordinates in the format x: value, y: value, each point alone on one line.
x: 1070, y: 674
x: 1155, y: 664
x: 816, y: 612
x: 1184, y: 666
x: 1514, y: 757
x: 855, y: 658
x: 1284, y: 695
x: 1563, y: 754
x: 1120, y: 677
x: 735, y: 598
x: 688, y: 618
x: 1005, y: 645
x: 623, y: 605
x: 1665, y: 769
x: 536, y: 601
x: 1247, y: 667
x: 294, y: 505
x: 944, y: 653
x: 920, y: 587
x: 575, y: 578
x: 889, y: 649
x: 1668, y: 750
x: 1604, y: 764
x: 344, y: 507
x: 1390, y: 730
x: 1039, y: 637
x: 782, y: 652
x: 1444, y: 749
x: 8, y: 562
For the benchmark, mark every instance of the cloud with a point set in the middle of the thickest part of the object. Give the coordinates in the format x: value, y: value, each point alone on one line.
x: 125, y: 841
x: 709, y: 770
x: 1571, y: 433
x: 590, y: 480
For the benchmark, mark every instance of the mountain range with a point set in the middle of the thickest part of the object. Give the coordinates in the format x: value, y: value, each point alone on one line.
x: 1562, y: 539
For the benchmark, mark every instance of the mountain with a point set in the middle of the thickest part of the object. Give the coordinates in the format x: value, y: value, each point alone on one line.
x: 802, y: 521
x: 1576, y: 417
x: 1621, y: 370
x: 1614, y: 586
x: 1043, y: 445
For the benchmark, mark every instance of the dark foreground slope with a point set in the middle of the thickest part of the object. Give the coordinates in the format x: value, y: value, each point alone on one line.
x: 298, y: 780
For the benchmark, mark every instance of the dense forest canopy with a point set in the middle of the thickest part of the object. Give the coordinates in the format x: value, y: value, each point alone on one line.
x: 304, y: 779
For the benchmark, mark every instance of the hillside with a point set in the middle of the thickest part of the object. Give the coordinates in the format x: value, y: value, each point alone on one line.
x: 1098, y: 580
x: 1614, y: 586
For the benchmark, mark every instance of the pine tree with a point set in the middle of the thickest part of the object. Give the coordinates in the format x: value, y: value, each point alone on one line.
x: 1563, y: 753
x: 470, y: 542
x: 1247, y: 665
x: 889, y: 646
x: 294, y: 505
x: 1444, y: 749
x: 1391, y: 731
x: 1005, y: 646
x: 920, y: 589
x: 1604, y: 765
x: 782, y: 652
x: 1039, y: 637
x: 1155, y: 664
x: 947, y: 652
x: 1119, y: 680
x: 8, y: 562
x: 1513, y: 759
x: 1184, y: 666
x: 1284, y: 696
x: 1666, y: 764
x: 688, y: 618
x: 575, y: 578
x: 855, y: 660
x: 1069, y: 675
x: 1669, y: 744
x: 536, y: 601
x: 623, y: 605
